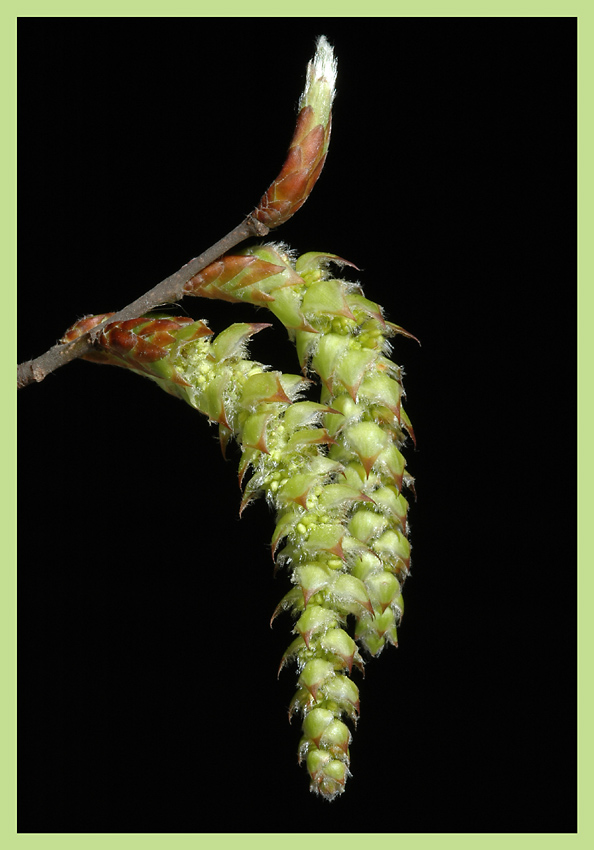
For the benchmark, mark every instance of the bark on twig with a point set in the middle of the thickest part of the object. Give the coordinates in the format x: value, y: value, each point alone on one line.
x: 168, y: 291
x: 286, y: 194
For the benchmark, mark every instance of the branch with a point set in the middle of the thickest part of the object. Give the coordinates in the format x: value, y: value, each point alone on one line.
x: 287, y: 193
x: 166, y: 292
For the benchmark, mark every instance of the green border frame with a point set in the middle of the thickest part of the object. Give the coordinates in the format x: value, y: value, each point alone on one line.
x: 258, y: 8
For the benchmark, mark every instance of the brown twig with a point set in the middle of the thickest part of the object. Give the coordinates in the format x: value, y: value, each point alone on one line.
x: 286, y: 194
x: 166, y: 292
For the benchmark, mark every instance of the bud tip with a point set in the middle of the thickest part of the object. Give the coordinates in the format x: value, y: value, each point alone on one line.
x: 321, y: 69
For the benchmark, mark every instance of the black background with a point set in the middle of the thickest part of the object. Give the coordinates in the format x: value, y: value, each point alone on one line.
x: 148, y: 698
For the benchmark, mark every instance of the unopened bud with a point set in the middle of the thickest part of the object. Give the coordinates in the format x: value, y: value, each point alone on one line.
x: 309, y: 145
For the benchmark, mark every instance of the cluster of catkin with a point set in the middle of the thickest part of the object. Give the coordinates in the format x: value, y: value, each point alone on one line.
x: 331, y: 469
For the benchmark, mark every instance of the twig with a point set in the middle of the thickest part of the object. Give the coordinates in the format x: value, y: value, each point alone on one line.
x: 166, y: 292
x: 286, y: 194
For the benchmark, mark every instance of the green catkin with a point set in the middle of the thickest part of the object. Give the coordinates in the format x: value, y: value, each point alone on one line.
x: 332, y: 470
x: 346, y: 540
